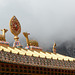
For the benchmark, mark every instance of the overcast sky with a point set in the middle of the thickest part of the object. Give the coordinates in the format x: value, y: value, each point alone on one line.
x: 46, y: 20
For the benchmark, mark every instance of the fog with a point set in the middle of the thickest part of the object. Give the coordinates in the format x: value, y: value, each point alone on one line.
x: 48, y: 21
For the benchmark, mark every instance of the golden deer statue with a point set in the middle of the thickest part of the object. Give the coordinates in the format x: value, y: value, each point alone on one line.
x: 2, y: 37
x: 30, y: 42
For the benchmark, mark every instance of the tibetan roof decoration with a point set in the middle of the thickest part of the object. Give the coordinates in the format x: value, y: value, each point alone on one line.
x: 32, y: 54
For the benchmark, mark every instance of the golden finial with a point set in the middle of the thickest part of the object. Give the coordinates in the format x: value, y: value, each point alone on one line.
x: 54, y: 49
x: 15, y: 27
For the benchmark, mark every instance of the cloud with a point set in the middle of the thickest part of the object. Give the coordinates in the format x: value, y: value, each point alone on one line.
x: 46, y: 20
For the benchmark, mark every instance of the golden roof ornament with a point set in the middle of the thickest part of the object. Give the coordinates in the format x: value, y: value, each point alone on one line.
x: 2, y: 37
x: 15, y: 29
x: 30, y: 42
x: 26, y: 36
x: 54, y: 49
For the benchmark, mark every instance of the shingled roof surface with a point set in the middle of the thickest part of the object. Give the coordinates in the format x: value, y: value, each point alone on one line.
x: 36, y: 58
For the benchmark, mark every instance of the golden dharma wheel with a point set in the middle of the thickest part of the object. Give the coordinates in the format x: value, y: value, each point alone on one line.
x: 15, y: 26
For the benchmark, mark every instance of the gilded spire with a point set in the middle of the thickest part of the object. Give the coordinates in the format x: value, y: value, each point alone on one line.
x: 15, y: 29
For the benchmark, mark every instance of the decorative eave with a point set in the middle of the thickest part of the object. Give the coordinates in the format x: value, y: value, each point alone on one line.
x: 38, y: 58
x: 36, y: 53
